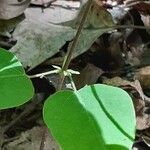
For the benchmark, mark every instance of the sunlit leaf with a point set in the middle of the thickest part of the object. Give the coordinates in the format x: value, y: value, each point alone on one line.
x: 97, y: 117
x: 15, y: 87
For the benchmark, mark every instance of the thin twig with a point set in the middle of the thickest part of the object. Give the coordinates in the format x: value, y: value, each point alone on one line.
x: 128, y: 26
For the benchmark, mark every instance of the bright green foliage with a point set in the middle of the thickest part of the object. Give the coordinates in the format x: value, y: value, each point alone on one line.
x: 15, y: 87
x: 97, y: 117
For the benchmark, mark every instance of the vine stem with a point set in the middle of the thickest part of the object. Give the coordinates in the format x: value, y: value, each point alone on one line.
x: 68, y: 57
x: 43, y: 74
x: 75, y: 41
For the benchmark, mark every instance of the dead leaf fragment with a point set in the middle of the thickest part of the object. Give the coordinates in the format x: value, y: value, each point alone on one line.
x: 30, y: 140
x: 143, y: 75
x: 142, y: 6
x: 89, y: 75
x: 12, y: 8
x: 116, y: 81
x: 143, y: 122
x: 97, y: 17
x: 146, y: 136
x: 6, y: 26
x: 42, y: 40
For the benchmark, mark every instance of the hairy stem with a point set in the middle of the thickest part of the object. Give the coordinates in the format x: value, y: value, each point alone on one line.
x: 74, y: 43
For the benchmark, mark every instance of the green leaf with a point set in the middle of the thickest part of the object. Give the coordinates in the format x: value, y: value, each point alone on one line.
x: 97, y: 117
x: 15, y: 87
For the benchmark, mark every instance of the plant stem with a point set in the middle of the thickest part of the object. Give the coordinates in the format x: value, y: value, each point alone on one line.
x: 72, y: 83
x: 74, y: 43
x: 43, y: 74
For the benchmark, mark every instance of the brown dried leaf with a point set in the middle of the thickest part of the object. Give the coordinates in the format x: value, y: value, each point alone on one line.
x: 97, y: 17
x: 146, y: 136
x: 142, y: 6
x: 116, y: 81
x: 143, y: 122
x: 143, y: 75
x: 89, y: 75
x: 30, y: 140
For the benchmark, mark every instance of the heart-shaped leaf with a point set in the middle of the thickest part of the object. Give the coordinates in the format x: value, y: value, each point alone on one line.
x: 97, y: 117
x: 15, y: 87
